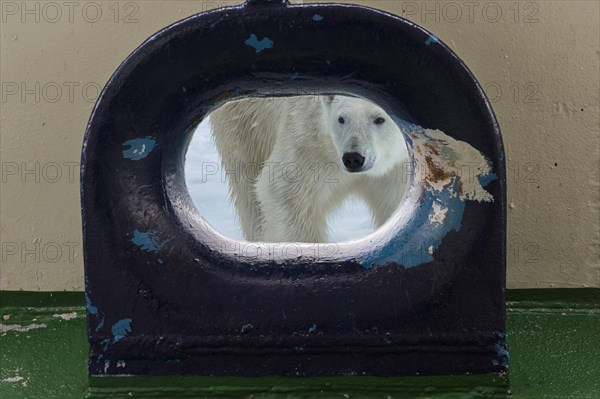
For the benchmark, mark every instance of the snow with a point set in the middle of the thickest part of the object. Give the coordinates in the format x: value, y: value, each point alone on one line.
x: 207, y: 186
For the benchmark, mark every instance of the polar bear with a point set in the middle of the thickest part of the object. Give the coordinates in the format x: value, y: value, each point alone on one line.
x: 291, y: 161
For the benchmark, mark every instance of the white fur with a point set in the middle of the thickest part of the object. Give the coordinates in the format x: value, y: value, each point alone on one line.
x: 283, y: 158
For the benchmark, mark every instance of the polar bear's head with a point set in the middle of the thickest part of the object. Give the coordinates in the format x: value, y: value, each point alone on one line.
x: 366, y: 138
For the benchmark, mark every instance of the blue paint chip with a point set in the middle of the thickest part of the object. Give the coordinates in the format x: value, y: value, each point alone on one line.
x: 259, y: 45
x: 105, y: 343
x: 88, y: 305
x: 328, y: 62
x: 100, y: 325
x: 136, y: 149
x: 120, y: 329
x: 312, y: 329
x: 317, y: 18
x: 147, y: 241
x: 431, y: 39
x: 420, y: 238
x: 487, y: 179
x: 406, y: 127
x: 503, y: 354
x: 408, y: 140
x: 416, y: 244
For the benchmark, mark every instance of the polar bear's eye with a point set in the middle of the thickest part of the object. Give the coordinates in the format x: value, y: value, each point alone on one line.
x: 341, y: 120
x: 379, y: 121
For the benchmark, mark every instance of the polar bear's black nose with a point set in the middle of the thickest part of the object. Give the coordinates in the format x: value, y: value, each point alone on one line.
x: 353, y: 161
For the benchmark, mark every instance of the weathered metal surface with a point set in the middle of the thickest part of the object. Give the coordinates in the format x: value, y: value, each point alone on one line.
x: 168, y: 295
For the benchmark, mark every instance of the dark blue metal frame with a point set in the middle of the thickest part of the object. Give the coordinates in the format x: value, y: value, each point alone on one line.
x: 162, y: 297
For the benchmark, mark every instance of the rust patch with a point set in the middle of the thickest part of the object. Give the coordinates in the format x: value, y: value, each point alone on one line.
x: 435, y: 173
x: 431, y: 149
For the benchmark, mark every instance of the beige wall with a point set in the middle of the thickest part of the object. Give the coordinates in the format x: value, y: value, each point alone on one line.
x: 538, y: 60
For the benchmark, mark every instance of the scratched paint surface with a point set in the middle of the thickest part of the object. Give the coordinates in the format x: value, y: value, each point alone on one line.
x: 259, y: 45
x: 431, y: 39
x: 136, y: 149
x: 50, y: 360
x: 451, y: 173
x: 120, y: 329
x: 147, y: 240
x: 551, y: 333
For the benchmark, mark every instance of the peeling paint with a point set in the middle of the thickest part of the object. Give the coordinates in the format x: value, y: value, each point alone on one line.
x: 120, y: 329
x: 147, y: 240
x: 439, y: 213
x: 66, y: 316
x: 16, y: 378
x: 503, y: 354
x: 137, y: 149
x: 99, y: 326
x: 259, y: 45
x: 485, y: 180
x: 88, y: 305
x: 5, y: 328
x: 431, y: 39
x: 246, y: 328
x: 450, y: 172
x: 441, y: 158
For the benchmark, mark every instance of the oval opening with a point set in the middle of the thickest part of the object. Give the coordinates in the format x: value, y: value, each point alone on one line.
x: 310, y: 169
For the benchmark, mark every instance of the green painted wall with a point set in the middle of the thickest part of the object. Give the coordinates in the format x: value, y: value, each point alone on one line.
x: 552, y: 334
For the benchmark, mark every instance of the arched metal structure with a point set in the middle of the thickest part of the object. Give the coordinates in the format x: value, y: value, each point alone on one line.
x: 168, y: 295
